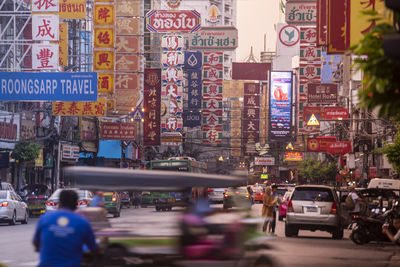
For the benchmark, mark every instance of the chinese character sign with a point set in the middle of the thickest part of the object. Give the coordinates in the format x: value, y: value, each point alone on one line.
x: 172, y: 42
x: 45, y: 56
x: 104, y: 14
x: 105, y: 82
x: 80, y: 108
x: 152, y: 103
x: 103, y: 60
x: 45, y: 6
x: 104, y: 37
x: 45, y: 27
x: 194, y: 88
x: 251, y: 117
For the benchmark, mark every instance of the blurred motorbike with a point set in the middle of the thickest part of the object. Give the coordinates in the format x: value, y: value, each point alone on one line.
x: 125, y: 199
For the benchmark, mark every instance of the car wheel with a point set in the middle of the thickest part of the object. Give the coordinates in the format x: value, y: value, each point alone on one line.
x: 291, y: 230
x: 338, y: 233
x: 25, y: 220
x: 359, y: 236
x: 13, y: 219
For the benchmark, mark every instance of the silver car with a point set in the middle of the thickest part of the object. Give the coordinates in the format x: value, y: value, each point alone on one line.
x: 216, y: 195
x: 313, y: 207
x: 12, y: 208
x: 85, y: 197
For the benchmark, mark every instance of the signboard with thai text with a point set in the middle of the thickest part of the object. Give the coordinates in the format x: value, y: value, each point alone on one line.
x: 48, y: 86
x: 183, y: 21
x: 320, y: 143
x: 301, y: 13
x: 339, y: 147
x: 118, y: 131
x: 214, y: 38
x: 293, y: 156
x: 72, y: 9
x: 264, y: 161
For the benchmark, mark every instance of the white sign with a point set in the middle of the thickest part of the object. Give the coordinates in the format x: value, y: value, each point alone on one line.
x: 45, y: 27
x: 45, y: 6
x: 288, y: 40
x: 172, y: 42
x: 70, y: 152
x: 45, y: 56
x: 173, y: 58
x: 266, y: 161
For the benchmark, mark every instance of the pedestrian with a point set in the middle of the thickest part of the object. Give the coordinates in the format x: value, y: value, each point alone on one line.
x: 395, y: 238
x: 276, y: 199
x: 61, y: 235
x: 98, y: 200
x: 353, y: 196
x: 267, y: 210
x: 137, y: 198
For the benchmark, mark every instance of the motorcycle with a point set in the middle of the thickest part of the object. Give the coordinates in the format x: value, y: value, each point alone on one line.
x: 367, y: 229
x: 125, y: 199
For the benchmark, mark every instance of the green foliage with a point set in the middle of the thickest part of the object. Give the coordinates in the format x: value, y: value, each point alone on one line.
x: 392, y: 152
x: 316, y: 171
x: 26, y: 151
x: 381, y: 73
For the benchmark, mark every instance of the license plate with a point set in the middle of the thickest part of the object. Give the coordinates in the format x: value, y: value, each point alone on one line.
x: 311, y: 209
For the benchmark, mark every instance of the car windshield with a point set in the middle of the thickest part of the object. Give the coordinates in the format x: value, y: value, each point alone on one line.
x: 237, y: 190
x: 3, y: 194
x: 313, y: 194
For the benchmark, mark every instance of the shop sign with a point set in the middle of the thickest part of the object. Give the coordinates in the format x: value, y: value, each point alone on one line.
x: 310, y: 53
x: 212, y: 136
x: 103, y: 60
x: 104, y: 37
x: 48, y: 86
x: 308, y: 35
x: 45, y: 27
x: 183, y: 21
x: 171, y: 138
x: 128, y: 8
x: 323, y: 93
x: 214, y: 38
x: 340, y: 147
x: 293, y: 156
x: 310, y: 71
x: 214, y: 59
x: 322, y: 22
x: 193, y: 60
x: 172, y: 58
x: 334, y: 113
x: 70, y: 152
x: 129, y: 44
x: 105, y: 82
x: 212, y: 74
x: 118, y: 131
x: 264, y: 161
x: 212, y: 119
x: 194, y: 88
x: 152, y: 103
x: 129, y: 63
x: 45, y: 56
x: 103, y: 14
x: 172, y: 42
x: 63, y: 45
x: 172, y: 75
x: 129, y: 26
x: 129, y: 81
x: 250, y: 71
x: 97, y: 109
x: 171, y: 124
x: 301, y: 13
x: 338, y: 26
x: 45, y: 6
x: 72, y: 9
x: 320, y: 143
x: 212, y: 90
x: 172, y: 91
x: 191, y: 118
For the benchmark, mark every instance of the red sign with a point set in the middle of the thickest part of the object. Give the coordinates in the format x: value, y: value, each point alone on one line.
x: 293, y: 156
x: 320, y: 143
x: 338, y: 26
x: 250, y: 71
x: 312, y: 110
x: 322, y: 21
x: 340, y: 147
x: 152, y: 103
x: 118, y: 131
x: 173, y: 21
x: 335, y: 113
x: 325, y: 93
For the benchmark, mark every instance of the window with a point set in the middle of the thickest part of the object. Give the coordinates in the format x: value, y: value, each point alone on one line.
x: 313, y: 194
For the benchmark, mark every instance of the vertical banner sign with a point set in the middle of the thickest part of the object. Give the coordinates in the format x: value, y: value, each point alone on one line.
x: 45, y: 27
x: 194, y: 88
x: 236, y: 128
x: 322, y: 22
x: 212, y: 97
x: 45, y: 56
x: 63, y: 43
x: 338, y: 26
x: 251, y: 118
x: 152, y: 103
x: 280, y: 102
x: 193, y: 65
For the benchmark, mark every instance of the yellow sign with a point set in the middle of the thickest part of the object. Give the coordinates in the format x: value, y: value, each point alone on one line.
x: 264, y: 176
x: 360, y: 24
x: 63, y: 44
x: 105, y: 82
x: 110, y: 104
x: 289, y: 146
x: 103, y: 60
x: 72, y: 9
x: 39, y: 159
x: 80, y: 108
x: 313, y: 121
x: 104, y: 14
x: 104, y: 37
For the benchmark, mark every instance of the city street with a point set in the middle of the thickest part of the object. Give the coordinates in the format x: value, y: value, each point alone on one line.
x: 309, y: 249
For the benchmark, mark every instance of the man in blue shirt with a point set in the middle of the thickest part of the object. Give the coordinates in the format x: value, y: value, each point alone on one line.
x: 98, y: 200
x: 60, y: 235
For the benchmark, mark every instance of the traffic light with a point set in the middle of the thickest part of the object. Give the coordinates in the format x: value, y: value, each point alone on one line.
x: 391, y: 43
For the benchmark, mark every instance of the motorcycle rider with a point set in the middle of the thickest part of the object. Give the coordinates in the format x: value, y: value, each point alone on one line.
x: 396, y: 224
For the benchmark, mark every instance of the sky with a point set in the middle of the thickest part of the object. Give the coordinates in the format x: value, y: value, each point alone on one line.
x: 254, y: 19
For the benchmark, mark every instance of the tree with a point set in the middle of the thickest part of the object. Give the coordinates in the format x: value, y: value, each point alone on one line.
x: 24, y: 152
x: 316, y: 171
x: 392, y: 152
x: 381, y: 73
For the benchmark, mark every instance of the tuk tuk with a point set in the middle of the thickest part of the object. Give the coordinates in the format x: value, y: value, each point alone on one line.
x: 228, y: 239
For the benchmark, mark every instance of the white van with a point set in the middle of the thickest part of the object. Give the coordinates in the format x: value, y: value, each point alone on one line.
x: 393, y: 184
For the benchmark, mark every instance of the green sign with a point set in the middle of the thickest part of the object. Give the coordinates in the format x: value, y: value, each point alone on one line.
x: 264, y: 176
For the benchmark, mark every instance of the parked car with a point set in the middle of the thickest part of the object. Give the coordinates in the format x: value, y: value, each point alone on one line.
x: 258, y: 194
x: 85, y: 197
x: 313, y: 207
x: 7, y: 186
x: 283, y: 205
x: 12, y: 208
x: 112, y: 203
x: 36, y: 197
x: 216, y: 195
x: 237, y: 197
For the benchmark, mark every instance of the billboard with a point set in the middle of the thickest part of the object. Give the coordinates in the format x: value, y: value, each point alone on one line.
x: 264, y: 161
x: 214, y: 38
x: 339, y: 147
x: 319, y: 143
x: 301, y: 13
x: 48, y: 86
x: 293, y: 156
x: 280, y: 100
x: 118, y: 131
x: 250, y: 71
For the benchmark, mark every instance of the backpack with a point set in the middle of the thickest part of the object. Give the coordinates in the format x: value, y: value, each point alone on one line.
x: 349, y: 202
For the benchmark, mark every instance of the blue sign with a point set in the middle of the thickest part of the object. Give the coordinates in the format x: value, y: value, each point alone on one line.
x: 194, y: 88
x: 193, y: 60
x: 280, y: 106
x: 137, y: 115
x: 330, y: 65
x: 48, y: 86
x: 191, y: 118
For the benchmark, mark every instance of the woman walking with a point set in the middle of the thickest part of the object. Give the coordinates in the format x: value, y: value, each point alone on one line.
x: 269, y: 203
